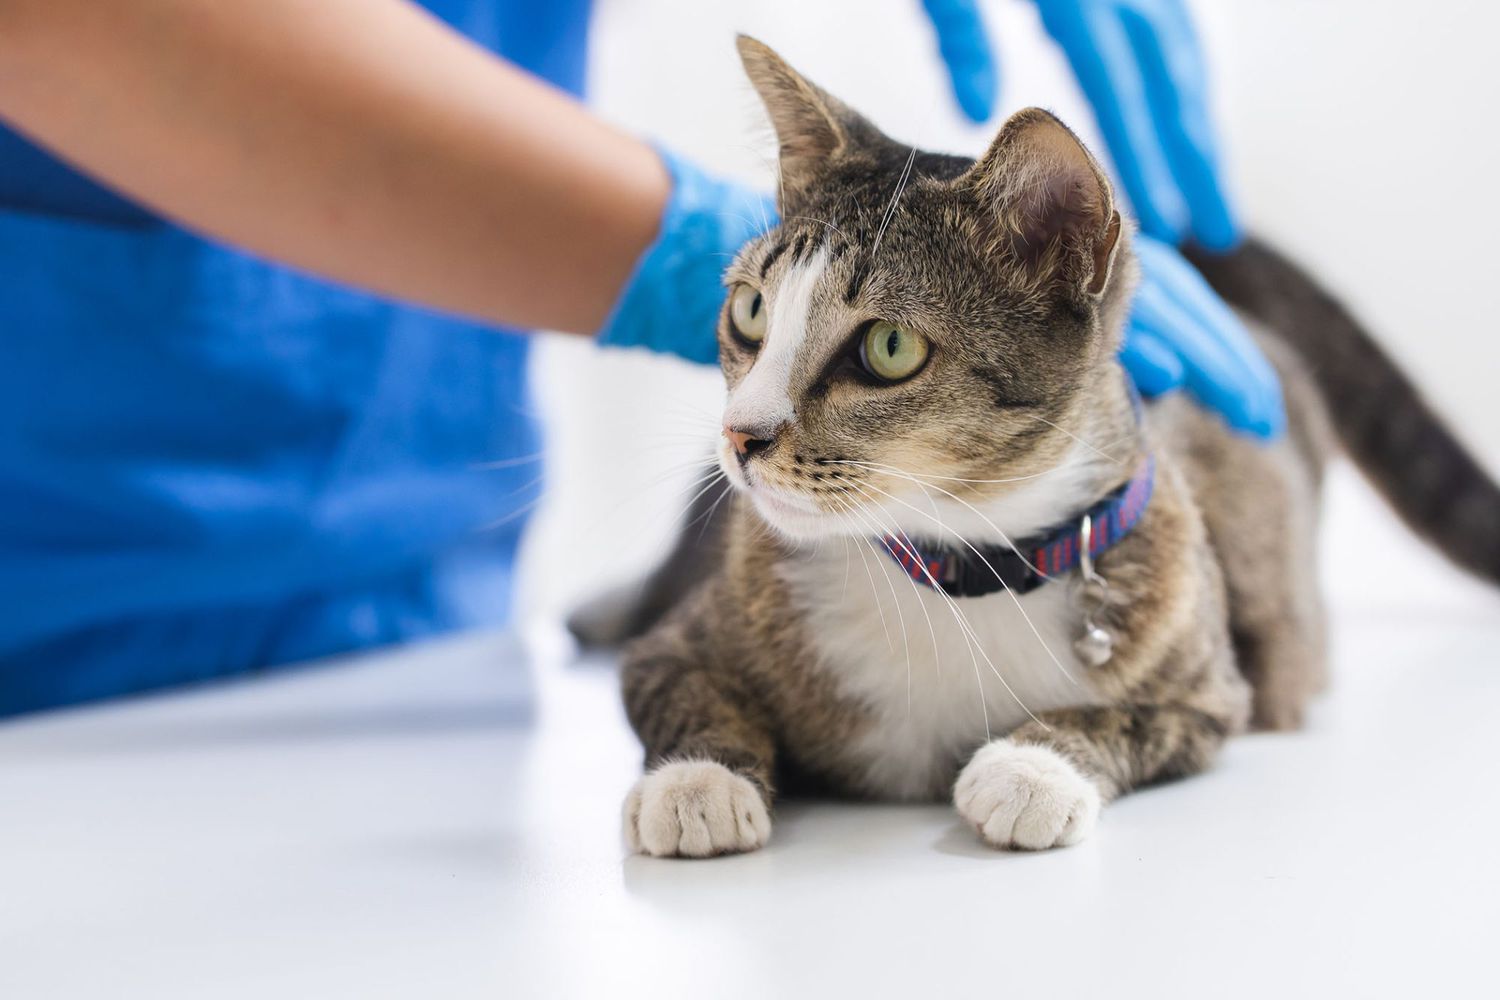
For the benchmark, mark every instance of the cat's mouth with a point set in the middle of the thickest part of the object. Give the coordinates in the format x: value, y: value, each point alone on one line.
x: 780, y: 503
x: 790, y: 514
x: 789, y: 511
x: 781, y: 508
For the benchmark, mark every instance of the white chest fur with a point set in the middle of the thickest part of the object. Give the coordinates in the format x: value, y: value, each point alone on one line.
x: 939, y: 676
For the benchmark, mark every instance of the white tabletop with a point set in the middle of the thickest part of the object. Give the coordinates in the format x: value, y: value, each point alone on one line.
x: 406, y: 825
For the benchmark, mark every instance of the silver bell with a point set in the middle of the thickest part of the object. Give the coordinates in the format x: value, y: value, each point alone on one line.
x: 1094, y: 647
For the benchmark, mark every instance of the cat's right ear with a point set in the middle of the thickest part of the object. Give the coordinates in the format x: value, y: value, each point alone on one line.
x: 812, y: 126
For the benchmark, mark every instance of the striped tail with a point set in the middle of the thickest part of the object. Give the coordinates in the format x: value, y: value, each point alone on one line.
x: 1430, y: 479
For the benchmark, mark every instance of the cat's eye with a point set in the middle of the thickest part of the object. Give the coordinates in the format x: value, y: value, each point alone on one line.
x: 890, y: 353
x: 747, y: 313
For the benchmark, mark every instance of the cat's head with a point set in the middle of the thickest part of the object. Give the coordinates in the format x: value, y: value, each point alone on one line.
x: 918, y: 322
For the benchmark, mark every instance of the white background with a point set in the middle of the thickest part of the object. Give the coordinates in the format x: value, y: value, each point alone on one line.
x: 1359, y: 136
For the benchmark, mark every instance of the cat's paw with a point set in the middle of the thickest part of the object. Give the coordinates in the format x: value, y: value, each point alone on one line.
x: 694, y: 809
x: 1025, y: 797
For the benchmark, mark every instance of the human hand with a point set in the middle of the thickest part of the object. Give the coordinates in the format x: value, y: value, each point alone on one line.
x: 671, y: 303
x: 1180, y: 334
x: 1141, y: 67
x: 965, y: 47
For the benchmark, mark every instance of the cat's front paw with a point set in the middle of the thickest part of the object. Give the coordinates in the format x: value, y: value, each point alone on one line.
x: 1025, y: 797
x: 694, y: 809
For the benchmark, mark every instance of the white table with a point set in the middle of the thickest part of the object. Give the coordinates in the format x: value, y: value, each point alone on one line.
x: 405, y: 826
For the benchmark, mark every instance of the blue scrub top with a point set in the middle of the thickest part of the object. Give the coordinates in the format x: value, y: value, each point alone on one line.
x: 210, y: 464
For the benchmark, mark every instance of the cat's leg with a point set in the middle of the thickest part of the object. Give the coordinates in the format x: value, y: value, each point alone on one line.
x: 1260, y: 506
x: 1275, y: 610
x: 1284, y: 658
x: 709, y: 760
x: 1042, y: 785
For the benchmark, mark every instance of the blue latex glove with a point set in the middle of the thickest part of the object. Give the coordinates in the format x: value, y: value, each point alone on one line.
x: 1181, y: 334
x: 671, y: 303
x: 965, y: 47
x: 1141, y: 68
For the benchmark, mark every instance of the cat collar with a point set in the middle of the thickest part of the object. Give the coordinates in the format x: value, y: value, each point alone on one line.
x: 973, y: 571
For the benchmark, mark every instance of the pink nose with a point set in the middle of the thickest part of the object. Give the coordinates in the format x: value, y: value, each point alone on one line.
x: 747, y: 443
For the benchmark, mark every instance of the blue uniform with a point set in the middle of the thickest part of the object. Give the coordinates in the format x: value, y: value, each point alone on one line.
x: 210, y: 464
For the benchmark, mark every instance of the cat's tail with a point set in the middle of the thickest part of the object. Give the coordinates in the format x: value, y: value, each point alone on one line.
x: 1390, y: 431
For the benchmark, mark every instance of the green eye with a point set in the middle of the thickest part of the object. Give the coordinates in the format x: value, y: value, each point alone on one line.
x: 747, y: 313
x: 891, y: 353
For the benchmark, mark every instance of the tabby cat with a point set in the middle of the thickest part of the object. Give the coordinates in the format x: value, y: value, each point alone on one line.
x: 902, y: 597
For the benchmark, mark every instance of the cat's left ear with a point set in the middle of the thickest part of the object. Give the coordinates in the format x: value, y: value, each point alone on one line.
x: 1051, y: 206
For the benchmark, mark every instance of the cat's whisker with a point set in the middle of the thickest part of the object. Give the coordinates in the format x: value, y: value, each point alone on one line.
x: 674, y: 450
x: 516, y: 512
x: 876, y: 596
x: 688, y: 424
x: 1015, y: 599
x: 702, y: 463
x: 1004, y: 538
x: 905, y: 640
x: 971, y: 642
x: 1067, y: 433
x: 844, y: 592
x: 506, y: 463
x: 890, y: 212
x: 931, y: 629
x: 821, y: 222
x: 713, y: 481
x: 749, y: 222
x: 634, y: 492
x: 950, y: 479
x: 710, y: 475
x: 863, y: 510
x: 971, y: 638
x: 500, y: 522
x: 965, y: 622
x: 703, y: 433
x: 688, y: 404
x: 708, y: 518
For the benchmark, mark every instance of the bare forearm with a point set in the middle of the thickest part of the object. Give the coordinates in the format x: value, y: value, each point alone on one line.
x: 359, y: 139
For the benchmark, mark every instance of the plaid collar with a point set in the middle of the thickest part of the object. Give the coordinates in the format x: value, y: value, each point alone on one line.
x: 985, y: 569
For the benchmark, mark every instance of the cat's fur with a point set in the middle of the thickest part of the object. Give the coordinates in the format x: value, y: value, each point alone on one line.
x: 789, y: 648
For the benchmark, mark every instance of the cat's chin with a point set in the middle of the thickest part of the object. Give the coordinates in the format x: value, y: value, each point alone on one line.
x: 795, y: 518
x: 798, y: 521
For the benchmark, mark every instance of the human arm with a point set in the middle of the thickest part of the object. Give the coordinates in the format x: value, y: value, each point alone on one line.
x: 358, y: 139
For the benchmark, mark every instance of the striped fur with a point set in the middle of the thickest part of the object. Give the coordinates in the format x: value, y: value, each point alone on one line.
x: 763, y: 662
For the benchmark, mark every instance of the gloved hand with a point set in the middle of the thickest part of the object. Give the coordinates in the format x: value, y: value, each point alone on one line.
x: 672, y: 300
x: 1181, y: 334
x: 1141, y: 68
x: 965, y: 47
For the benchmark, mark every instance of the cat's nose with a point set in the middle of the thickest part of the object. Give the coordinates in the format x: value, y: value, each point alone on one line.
x: 748, y: 441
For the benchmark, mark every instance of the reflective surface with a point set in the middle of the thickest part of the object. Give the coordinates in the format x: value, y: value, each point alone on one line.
x: 405, y: 826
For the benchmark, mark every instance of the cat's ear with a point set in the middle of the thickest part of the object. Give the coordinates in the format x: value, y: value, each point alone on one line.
x: 1054, y: 208
x: 812, y: 126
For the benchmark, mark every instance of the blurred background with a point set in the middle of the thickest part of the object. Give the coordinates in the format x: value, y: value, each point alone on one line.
x: 1356, y: 138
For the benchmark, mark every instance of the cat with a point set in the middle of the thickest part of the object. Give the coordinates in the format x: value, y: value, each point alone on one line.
x: 891, y: 598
